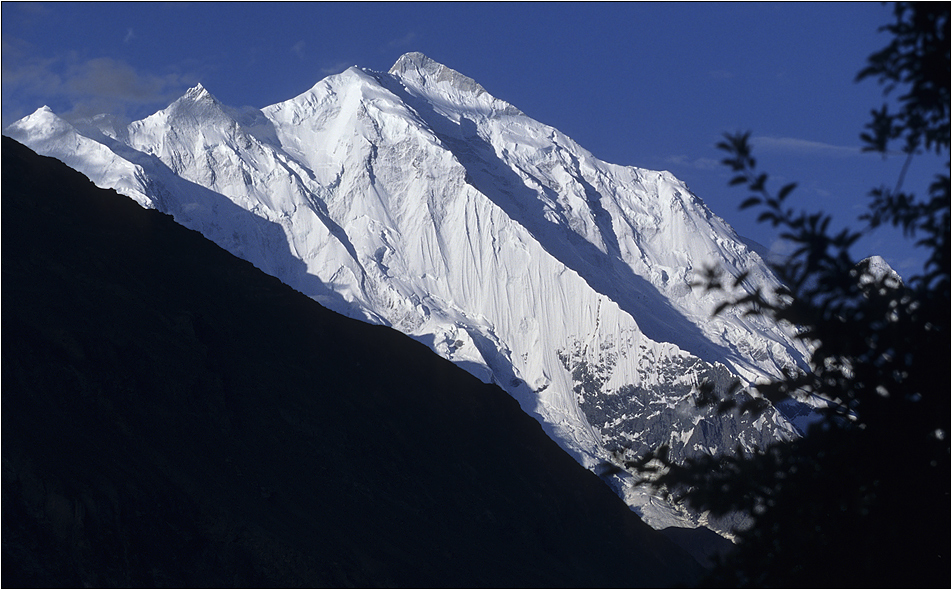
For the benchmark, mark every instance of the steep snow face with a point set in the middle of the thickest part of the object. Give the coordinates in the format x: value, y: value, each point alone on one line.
x: 417, y: 200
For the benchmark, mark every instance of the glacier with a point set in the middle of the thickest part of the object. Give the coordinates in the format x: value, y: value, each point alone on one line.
x: 415, y: 199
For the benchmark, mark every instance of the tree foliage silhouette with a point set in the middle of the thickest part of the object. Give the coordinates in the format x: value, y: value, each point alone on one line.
x: 863, y: 497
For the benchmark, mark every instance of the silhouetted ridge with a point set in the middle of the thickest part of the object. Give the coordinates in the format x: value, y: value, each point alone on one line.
x: 174, y: 417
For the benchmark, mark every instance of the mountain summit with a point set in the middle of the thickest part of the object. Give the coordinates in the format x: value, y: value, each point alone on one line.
x: 416, y: 66
x: 417, y: 200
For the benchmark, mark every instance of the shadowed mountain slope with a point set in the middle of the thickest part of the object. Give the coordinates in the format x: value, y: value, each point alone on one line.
x: 174, y: 417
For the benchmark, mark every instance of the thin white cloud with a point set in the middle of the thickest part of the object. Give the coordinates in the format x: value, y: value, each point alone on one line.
x: 720, y: 75
x: 404, y: 41
x: 804, y: 147
x: 336, y: 68
x: 298, y: 49
x: 130, y: 35
x: 77, y: 87
x: 109, y: 78
x: 697, y: 163
x: 34, y: 76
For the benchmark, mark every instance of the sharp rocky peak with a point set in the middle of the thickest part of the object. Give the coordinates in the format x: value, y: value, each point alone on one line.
x: 199, y: 93
x: 199, y: 104
x: 415, y: 65
x: 197, y: 90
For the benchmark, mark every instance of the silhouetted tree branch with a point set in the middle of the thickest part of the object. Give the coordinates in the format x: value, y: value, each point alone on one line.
x: 863, y: 497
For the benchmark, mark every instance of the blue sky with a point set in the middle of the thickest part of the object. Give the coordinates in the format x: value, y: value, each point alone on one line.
x: 653, y: 85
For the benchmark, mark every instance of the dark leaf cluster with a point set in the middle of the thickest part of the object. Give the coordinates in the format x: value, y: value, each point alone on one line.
x: 916, y: 60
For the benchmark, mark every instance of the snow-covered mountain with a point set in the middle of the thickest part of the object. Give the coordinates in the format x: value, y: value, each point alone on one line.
x: 415, y: 199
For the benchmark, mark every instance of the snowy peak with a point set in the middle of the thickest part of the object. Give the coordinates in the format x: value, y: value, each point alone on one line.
x: 43, y: 122
x: 875, y: 269
x: 198, y: 104
x: 40, y: 112
x: 447, y: 90
x: 198, y: 92
x: 419, y: 68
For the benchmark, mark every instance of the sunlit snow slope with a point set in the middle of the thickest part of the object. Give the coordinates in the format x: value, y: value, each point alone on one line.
x: 415, y: 199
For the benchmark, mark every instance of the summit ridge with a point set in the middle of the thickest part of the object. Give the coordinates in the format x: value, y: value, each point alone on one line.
x: 415, y: 64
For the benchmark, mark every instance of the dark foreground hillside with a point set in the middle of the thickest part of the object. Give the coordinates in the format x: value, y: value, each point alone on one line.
x: 174, y: 417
